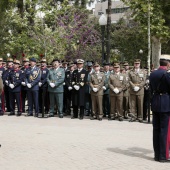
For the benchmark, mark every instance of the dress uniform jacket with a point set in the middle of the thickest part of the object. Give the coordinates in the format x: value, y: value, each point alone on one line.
x: 1, y: 86
x: 56, y: 77
x: 137, y: 79
x: 44, y: 73
x: 80, y: 79
x: 106, y: 84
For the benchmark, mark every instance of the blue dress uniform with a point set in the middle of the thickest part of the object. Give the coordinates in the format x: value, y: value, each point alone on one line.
x: 160, y: 106
x: 2, y: 104
x: 15, y: 78
x: 5, y: 77
x: 33, y: 77
x: 43, y: 92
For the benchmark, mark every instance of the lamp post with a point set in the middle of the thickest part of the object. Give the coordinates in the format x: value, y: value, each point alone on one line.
x: 102, y: 23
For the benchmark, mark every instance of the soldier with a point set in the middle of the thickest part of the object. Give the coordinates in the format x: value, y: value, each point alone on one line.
x: 55, y: 80
x: 14, y: 83
x: 5, y: 77
x: 137, y: 81
x: 24, y: 87
x: 160, y: 83
x: 2, y: 104
x: 106, y: 98
x: 117, y: 83
x: 79, y: 81
x: 96, y: 83
x: 68, y: 88
x: 43, y: 92
x: 33, y: 77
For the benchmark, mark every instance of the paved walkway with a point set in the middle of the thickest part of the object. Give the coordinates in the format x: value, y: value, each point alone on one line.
x: 29, y: 143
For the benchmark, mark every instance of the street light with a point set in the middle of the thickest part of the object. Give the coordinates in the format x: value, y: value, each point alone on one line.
x: 102, y: 23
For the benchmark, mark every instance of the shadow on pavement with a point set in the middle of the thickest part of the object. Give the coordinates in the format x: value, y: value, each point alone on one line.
x: 133, y: 152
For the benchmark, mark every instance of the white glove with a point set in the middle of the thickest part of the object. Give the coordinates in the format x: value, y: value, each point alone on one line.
x: 64, y: 84
x: 29, y: 85
x: 104, y: 88
x: 40, y: 84
x: 70, y: 88
x: 136, y: 88
x: 11, y: 86
x: 95, y: 89
x: 52, y: 85
x: 76, y: 87
x: 147, y: 81
x: 6, y: 81
x: 116, y: 90
x: 23, y: 83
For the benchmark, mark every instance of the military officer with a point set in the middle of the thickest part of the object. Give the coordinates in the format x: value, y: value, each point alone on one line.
x: 23, y: 84
x: 43, y: 91
x: 14, y: 83
x: 97, y: 79
x: 106, y: 98
x: 55, y: 80
x: 117, y: 83
x: 68, y: 88
x: 137, y: 81
x: 160, y: 83
x: 79, y: 81
x: 5, y: 77
x: 33, y: 77
x: 2, y: 104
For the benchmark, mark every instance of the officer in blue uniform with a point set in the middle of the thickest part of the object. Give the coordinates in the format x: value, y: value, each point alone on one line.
x: 160, y: 106
x: 5, y: 77
x: 2, y: 70
x: 14, y: 83
x: 24, y: 87
x: 43, y: 92
x: 33, y: 77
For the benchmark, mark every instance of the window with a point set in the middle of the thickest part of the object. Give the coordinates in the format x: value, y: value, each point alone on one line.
x: 118, y: 10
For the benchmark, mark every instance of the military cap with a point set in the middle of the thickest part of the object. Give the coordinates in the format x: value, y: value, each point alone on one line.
x: 25, y: 59
x: 116, y: 65
x: 43, y: 60
x: 1, y: 59
x: 125, y: 63
x: 106, y: 64
x: 16, y: 62
x: 96, y: 64
x: 10, y: 60
x: 89, y: 63
x: 137, y: 61
x: 56, y: 59
x: 33, y: 59
x: 64, y: 62
x: 165, y: 57
x: 80, y: 61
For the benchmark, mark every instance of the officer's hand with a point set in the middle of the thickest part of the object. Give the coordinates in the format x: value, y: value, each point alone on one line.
x: 11, y: 86
x: 29, y: 85
x: 76, y: 87
x: 40, y: 84
x: 6, y: 81
x: 52, y: 85
x: 95, y: 89
x: 64, y: 84
x: 147, y: 81
x: 23, y: 83
x: 70, y: 88
x: 136, y: 88
x: 104, y: 88
x: 116, y: 90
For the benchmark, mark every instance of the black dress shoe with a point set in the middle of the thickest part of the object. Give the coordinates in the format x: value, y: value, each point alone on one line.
x: 1, y: 113
x: 18, y: 114
x: 156, y: 159
x: 29, y: 114
x: 73, y: 117
x: 120, y: 119
x: 81, y: 118
x: 164, y: 160
x: 36, y: 115
x: 11, y: 114
x: 60, y: 116
x: 100, y: 119
x: 111, y: 118
x: 93, y: 118
x: 51, y: 115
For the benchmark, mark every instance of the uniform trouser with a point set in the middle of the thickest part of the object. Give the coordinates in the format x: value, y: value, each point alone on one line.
x: 75, y: 111
x: 125, y: 104
x: 146, y: 103
x: 33, y: 101
x: 161, y: 135
x: 136, y: 105
x: 67, y: 101
x: 88, y: 104
x: 116, y: 103
x: 58, y: 98
x: 106, y: 104
x: 23, y: 96
x: 43, y: 100
x: 7, y: 101
x: 2, y: 103
x: 97, y: 106
x: 15, y: 96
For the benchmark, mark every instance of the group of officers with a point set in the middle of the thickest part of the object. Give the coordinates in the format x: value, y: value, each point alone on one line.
x: 113, y: 90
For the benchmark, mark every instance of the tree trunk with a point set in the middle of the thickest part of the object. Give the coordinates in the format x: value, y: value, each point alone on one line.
x: 156, y: 51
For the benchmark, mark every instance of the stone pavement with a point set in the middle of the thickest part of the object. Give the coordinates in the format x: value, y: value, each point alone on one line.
x: 29, y: 143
